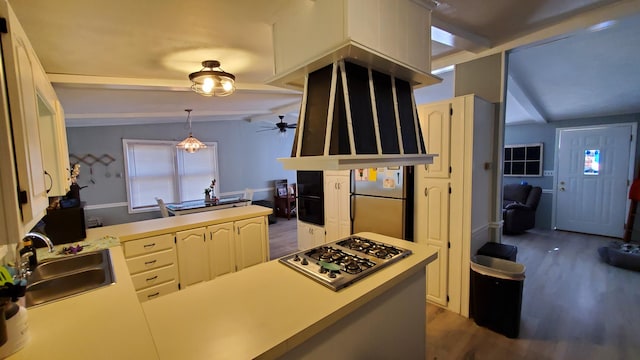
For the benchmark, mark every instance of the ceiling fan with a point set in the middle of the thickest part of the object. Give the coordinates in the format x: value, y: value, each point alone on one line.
x: 280, y: 126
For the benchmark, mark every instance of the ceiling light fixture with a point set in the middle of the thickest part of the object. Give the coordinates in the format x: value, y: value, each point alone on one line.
x: 211, y: 80
x: 190, y: 144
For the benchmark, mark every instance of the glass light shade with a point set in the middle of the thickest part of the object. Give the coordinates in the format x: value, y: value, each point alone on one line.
x: 191, y: 144
x: 212, y: 80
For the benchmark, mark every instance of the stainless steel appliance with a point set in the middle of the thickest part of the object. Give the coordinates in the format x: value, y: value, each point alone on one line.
x: 382, y: 202
x: 341, y: 263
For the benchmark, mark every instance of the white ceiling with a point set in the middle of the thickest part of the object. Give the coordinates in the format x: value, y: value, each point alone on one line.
x: 125, y: 62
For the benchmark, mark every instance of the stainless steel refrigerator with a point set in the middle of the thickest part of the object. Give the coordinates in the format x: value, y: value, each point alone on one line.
x: 382, y: 202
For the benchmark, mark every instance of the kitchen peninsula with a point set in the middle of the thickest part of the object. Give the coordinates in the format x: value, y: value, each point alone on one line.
x: 264, y: 311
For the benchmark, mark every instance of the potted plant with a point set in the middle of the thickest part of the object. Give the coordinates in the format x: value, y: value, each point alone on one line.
x: 207, y: 194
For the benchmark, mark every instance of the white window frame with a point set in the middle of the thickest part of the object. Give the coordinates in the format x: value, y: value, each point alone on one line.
x: 212, y: 146
x: 527, y: 159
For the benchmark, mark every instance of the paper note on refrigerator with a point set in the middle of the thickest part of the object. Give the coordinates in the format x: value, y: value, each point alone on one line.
x: 361, y: 174
x: 373, y: 174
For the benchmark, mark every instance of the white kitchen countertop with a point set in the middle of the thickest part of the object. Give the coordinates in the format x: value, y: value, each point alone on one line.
x: 106, y: 323
x: 265, y: 310
x: 262, y: 311
x: 139, y: 229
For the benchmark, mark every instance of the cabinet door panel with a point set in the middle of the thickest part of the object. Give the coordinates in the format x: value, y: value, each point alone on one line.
x: 432, y: 225
x: 250, y: 242
x: 221, y: 250
x: 192, y: 256
x: 344, y: 206
x: 24, y: 116
x: 337, y: 206
x: 435, y: 122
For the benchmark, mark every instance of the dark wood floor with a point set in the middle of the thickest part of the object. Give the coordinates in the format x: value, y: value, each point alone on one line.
x: 283, y: 238
x: 574, y: 307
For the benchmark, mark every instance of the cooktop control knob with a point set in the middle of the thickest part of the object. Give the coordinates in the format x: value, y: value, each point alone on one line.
x: 332, y: 275
x: 304, y: 262
x: 323, y: 270
x: 296, y: 258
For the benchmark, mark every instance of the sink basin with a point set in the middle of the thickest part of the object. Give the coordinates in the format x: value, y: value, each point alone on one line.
x: 61, y: 278
x: 57, y: 267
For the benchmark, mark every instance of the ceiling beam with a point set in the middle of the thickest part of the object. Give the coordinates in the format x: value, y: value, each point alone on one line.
x: 582, y: 21
x: 525, y: 101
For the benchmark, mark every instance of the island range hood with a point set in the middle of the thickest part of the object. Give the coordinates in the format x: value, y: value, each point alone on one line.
x: 358, y: 109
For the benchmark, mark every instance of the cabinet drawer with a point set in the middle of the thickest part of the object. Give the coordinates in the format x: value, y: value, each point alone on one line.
x: 154, y: 277
x: 157, y: 291
x: 151, y: 261
x: 148, y: 245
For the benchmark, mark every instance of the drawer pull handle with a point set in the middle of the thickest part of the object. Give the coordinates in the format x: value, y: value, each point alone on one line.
x: 149, y: 245
x: 150, y: 262
x: 152, y: 278
x: 151, y: 296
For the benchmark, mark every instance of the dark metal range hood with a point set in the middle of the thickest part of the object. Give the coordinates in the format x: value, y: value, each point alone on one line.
x: 355, y: 117
x: 358, y: 109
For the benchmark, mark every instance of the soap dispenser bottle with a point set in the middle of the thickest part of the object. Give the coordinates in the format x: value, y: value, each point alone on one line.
x: 29, y: 251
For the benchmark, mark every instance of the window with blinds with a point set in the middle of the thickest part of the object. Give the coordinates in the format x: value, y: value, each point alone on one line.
x: 156, y: 169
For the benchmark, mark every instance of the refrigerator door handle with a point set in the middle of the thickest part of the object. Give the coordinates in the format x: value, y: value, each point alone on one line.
x: 426, y: 191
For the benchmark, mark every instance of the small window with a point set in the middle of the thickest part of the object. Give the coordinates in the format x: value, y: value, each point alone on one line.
x: 523, y: 160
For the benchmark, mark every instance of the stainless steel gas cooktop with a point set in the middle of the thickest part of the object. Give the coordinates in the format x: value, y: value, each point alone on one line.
x: 340, y: 263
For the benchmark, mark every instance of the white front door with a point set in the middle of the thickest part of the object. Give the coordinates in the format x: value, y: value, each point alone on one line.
x: 593, y: 174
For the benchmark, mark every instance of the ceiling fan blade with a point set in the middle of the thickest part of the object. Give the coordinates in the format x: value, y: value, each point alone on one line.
x: 292, y: 126
x: 270, y: 129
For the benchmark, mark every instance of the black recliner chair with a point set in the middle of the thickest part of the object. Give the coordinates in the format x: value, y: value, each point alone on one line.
x: 519, y: 204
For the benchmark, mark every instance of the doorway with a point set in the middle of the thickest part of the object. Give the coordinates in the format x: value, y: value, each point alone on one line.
x: 594, y: 169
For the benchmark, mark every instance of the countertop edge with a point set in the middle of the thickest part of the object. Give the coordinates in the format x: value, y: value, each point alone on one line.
x: 334, y: 317
x: 146, y: 228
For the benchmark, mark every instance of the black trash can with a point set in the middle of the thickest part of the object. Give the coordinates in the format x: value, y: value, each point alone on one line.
x: 496, y: 294
x: 500, y: 251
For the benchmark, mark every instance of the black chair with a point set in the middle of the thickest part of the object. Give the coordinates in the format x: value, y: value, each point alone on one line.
x: 519, y: 204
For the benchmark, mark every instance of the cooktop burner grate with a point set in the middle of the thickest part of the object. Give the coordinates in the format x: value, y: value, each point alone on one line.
x: 340, y: 263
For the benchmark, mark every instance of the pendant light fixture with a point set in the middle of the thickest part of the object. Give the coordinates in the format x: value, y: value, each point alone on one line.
x: 211, y: 80
x: 190, y: 144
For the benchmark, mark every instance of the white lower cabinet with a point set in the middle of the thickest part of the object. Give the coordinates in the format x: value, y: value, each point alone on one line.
x: 153, y: 266
x: 192, y: 256
x: 310, y: 235
x: 205, y: 253
x: 221, y: 250
x: 337, y: 204
x: 252, y: 244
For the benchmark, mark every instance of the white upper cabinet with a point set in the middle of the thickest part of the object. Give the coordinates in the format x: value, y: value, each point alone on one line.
x: 20, y: 64
x: 34, y: 165
x: 53, y: 138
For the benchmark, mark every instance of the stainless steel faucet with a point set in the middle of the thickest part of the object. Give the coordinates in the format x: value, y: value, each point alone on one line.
x: 42, y: 237
x: 22, y: 260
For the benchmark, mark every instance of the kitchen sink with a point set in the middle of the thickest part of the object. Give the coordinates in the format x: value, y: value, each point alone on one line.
x: 65, y: 277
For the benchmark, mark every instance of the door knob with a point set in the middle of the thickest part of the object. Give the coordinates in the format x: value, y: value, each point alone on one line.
x: 562, y: 188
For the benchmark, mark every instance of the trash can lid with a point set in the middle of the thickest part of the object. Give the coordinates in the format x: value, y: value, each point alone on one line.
x: 499, y: 268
